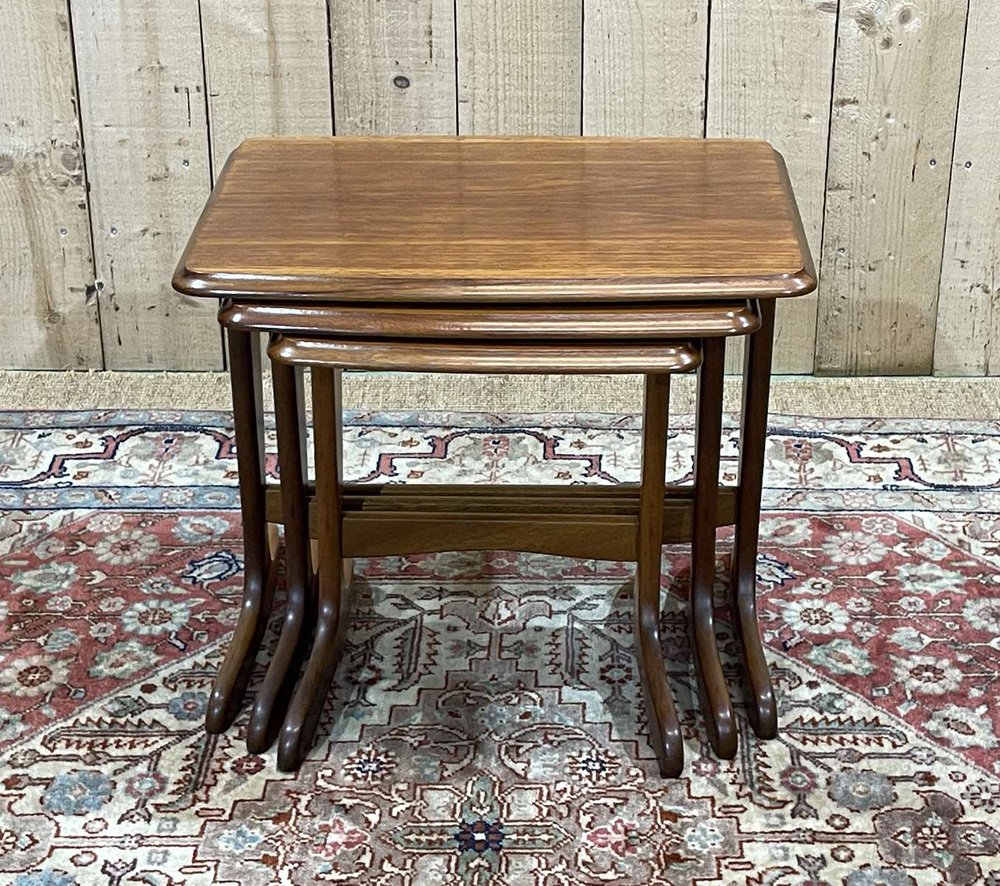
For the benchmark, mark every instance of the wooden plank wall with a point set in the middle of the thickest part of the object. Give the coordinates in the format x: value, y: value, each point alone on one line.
x: 394, y: 67
x: 968, y: 317
x: 267, y: 70
x: 48, y: 304
x: 115, y: 119
x: 644, y: 68
x: 764, y: 85
x: 892, y: 130
x: 145, y: 132
x: 519, y: 67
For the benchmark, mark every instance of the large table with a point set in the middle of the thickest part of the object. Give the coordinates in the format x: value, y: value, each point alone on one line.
x: 498, y: 255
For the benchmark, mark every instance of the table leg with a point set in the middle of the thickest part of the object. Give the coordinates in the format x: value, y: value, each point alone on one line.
x: 310, y: 696
x: 664, y: 731
x: 762, y: 706
x: 258, y: 574
x: 713, y: 693
x: 276, y: 690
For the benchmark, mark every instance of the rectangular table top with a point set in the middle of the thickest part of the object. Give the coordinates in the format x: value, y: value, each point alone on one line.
x: 534, y: 219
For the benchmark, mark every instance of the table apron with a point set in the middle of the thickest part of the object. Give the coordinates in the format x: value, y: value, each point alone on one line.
x: 591, y: 523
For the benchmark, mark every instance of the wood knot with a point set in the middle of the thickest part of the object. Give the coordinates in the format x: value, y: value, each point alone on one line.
x: 6, y: 164
x: 70, y: 160
x: 883, y: 20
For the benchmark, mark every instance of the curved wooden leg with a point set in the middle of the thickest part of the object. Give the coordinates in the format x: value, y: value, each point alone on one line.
x: 275, y: 692
x: 346, y: 574
x: 715, y: 704
x: 310, y: 696
x: 258, y: 584
x: 664, y: 731
x: 762, y: 705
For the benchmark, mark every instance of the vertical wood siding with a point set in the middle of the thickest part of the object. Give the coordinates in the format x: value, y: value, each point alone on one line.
x: 892, y: 128
x: 763, y: 82
x: 145, y: 128
x: 48, y: 305
x: 267, y: 70
x: 519, y: 67
x: 644, y: 67
x: 968, y: 318
x: 394, y: 66
x: 885, y: 110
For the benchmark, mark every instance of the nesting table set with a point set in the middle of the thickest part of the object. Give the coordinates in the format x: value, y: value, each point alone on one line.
x: 494, y: 255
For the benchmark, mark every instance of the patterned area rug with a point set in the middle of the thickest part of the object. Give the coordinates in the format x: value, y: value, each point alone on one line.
x: 486, y: 727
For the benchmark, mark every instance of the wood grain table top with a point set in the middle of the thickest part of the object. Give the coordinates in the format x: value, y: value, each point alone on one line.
x: 475, y: 220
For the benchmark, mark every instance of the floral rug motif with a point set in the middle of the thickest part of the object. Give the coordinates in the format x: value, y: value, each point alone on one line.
x: 486, y: 726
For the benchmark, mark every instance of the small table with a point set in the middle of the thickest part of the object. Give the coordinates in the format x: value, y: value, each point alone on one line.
x: 494, y: 255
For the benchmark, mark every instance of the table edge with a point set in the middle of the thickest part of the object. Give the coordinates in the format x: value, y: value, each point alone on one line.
x: 368, y: 289
x: 799, y: 282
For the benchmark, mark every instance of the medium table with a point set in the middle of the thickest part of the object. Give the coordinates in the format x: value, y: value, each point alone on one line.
x: 494, y: 255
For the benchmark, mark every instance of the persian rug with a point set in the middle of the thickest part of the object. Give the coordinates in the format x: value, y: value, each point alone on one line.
x: 485, y: 727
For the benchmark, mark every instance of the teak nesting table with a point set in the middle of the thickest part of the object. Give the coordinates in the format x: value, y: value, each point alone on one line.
x: 520, y: 255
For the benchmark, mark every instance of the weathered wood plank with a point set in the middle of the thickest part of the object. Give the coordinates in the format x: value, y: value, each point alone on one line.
x: 47, y: 308
x: 968, y: 320
x: 267, y: 66
x: 770, y: 73
x: 394, y: 67
x: 644, y: 67
x: 519, y: 67
x: 146, y: 136
x: 895, y: 99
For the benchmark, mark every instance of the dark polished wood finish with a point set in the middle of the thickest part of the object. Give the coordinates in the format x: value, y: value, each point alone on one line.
x: 495, y: 255
x: 603, y: 522
x: 402, y: 355
x: 762, y: 707
x: 597, y: 522
x: 332, y: 616
x: 712, y: 691
x: 664, y: 731
x: 650, y: 322
x: 258, y: 564
x: 300, y: 610
x: 476, y: 220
